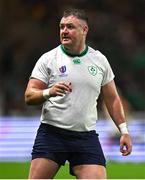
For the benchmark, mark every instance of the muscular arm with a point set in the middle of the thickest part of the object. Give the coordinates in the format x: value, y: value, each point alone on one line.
x: 115, y: 109
x: 113, y: 103
x: 35, y: 87
x: 34, y: 92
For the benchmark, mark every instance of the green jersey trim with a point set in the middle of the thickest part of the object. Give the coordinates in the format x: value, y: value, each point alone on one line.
x: 74, y: 55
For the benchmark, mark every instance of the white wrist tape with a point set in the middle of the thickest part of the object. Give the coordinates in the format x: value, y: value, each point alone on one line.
x: 46, y: 94
x: 123, y: 128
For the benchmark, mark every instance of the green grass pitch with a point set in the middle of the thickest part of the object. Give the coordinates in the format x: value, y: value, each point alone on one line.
x: 114, y: 171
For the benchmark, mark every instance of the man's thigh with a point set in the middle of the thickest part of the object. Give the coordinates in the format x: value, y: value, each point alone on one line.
x: 89, y: 171
x: 42, y: 168
x: 93, y: 162
x: 47, y: 164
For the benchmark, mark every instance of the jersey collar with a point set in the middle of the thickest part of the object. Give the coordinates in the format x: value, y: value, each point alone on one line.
x: 74, y: 55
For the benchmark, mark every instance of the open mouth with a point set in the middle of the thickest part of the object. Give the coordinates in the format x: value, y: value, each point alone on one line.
x: 65, y: 38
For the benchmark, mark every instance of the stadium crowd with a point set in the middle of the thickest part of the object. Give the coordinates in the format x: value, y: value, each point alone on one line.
x: 27, y: 31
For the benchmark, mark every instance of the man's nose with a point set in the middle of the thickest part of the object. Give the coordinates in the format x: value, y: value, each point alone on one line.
x: 65, y: 30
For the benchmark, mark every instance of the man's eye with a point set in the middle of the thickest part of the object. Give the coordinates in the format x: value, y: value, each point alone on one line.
x: 61, y: 27
x: 70, y: 26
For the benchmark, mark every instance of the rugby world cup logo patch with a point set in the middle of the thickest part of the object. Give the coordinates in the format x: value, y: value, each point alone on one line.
x: 62, y: 69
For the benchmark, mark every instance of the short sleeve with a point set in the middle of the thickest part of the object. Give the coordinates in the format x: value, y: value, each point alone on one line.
x: 108, y: 73
x: 41, y: 70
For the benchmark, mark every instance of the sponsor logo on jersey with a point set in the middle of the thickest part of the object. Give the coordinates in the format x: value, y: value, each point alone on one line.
x: 92, y: 70
x: 76, y: 61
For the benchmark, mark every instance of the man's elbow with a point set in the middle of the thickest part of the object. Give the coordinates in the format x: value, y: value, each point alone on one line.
x: 28, y: 99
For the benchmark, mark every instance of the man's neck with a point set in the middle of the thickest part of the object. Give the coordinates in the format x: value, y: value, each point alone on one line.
x: 74, y: 53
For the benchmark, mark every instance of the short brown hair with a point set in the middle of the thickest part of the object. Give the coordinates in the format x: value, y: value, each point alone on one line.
x: 79, y: 13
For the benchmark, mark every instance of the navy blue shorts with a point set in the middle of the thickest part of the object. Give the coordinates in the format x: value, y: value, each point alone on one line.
x: 62, y: 145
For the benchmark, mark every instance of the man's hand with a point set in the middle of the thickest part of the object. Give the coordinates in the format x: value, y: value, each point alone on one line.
x: 125, y: 144
x: 59, y: 89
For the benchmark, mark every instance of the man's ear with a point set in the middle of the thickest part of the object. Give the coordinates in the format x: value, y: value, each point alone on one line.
x: 86, y: 29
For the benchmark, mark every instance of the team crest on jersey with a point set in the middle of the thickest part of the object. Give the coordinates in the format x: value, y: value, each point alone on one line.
x: 62, y: 70
x: 92, y: 70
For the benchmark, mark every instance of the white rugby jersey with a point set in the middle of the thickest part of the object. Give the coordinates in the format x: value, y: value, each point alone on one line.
x: 87, y: 72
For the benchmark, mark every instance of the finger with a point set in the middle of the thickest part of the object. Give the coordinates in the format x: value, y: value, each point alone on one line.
x: 60, y: 91
x: 125, y: 150
x: 70, y: 87
x: 63, y: 84
x: 122, y: 148
x: 125, y: 153
x: 64, y: 87
x: 60, y: 94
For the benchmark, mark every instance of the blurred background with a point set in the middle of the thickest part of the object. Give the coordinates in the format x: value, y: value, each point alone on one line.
x: 29, y: 28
